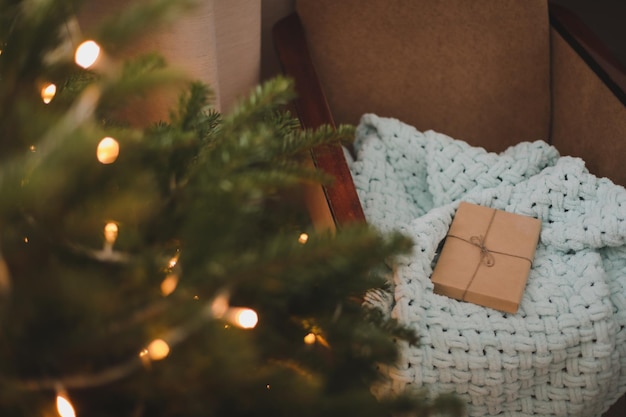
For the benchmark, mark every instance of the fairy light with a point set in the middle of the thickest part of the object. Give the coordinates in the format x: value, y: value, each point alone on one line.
x: 158, y: 349
x: 174, y: 260
x: 108, y: 150
x: 145, y: 358
x: 303, y: 238
x: 48, y: 92
x: 169, y: 284
x: 245, y: 318
x: 110, y: 232
x: 110, y: 236
x: 32, y: 148
x: 87, y: 54
x: 64, y: 406
x: 310, y: 338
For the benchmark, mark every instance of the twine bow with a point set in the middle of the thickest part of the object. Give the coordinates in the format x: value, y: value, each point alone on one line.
x: 486, y: 257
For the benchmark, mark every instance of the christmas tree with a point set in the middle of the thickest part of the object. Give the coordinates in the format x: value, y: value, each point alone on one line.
x: 170, y: 269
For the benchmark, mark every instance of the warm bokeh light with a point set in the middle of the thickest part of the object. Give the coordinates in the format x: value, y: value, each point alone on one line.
x: 219, y: 307
x: 310, y: 338
x: 322, y: 341
x: 48, y: 92
x: 145, y: 359
x: 174, y: 261
x: 110, y: 232
x: 303, y: 238
x: 169, y: 284
x: 245, y: 318
x: 87, y: 54
x: 158, y: 349
x: 108, y: 150
x: 64, y: 407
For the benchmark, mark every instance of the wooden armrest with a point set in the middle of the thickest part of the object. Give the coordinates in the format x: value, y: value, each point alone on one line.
x: 313, y: 111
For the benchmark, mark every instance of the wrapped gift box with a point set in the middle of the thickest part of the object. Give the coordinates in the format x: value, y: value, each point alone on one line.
x: 486, y: 257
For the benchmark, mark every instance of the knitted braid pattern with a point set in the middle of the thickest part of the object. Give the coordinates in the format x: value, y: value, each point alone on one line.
x: 564, y: 352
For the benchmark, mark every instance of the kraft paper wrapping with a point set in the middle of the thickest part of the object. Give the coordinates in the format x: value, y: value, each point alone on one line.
x: 487, y: 257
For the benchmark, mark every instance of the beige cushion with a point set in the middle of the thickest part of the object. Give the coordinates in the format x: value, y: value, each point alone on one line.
x: 476, y: 70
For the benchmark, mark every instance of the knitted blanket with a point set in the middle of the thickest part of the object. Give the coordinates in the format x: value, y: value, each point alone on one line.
x: 564, y: 352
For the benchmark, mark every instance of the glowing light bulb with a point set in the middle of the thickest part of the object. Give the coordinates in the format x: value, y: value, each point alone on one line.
x: 174, y: 261
x: 48, y: 92
x: 32, y: 148
x: 108, y: 150
x: 110, y: 232
x: 64, y: 406
x: 244, y: 317
x: 310, y: 338
x: 87, y: 54
x: 158, y: 349
x: 169, y: 284
x: 303, y: 238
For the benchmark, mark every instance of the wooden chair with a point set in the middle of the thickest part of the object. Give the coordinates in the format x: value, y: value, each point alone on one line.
x: 554, y: 80
x: 492, y: 73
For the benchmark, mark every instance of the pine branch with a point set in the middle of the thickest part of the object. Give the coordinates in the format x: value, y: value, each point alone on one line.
x: 208, y: 220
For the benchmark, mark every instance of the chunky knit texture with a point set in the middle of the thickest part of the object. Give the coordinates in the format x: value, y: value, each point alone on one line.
x: 564, y: 352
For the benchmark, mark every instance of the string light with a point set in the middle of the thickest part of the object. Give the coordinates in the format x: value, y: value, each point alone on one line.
x: 303, y: 238
x: 169, y: 284
x: 145, y: 359
x: 48, y: 92
x: 174, y: 261
x: 110, y: 232
x: 87, y: 54
x: 310, y: 338
x: 32, y: 148
x: 245, y: 318
x: 158, y: 349
x: 108, y: 150
x: 64, y: 406
x: 110, y: 236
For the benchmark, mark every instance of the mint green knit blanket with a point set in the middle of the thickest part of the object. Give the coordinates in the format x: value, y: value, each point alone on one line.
x: 564, y: 352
